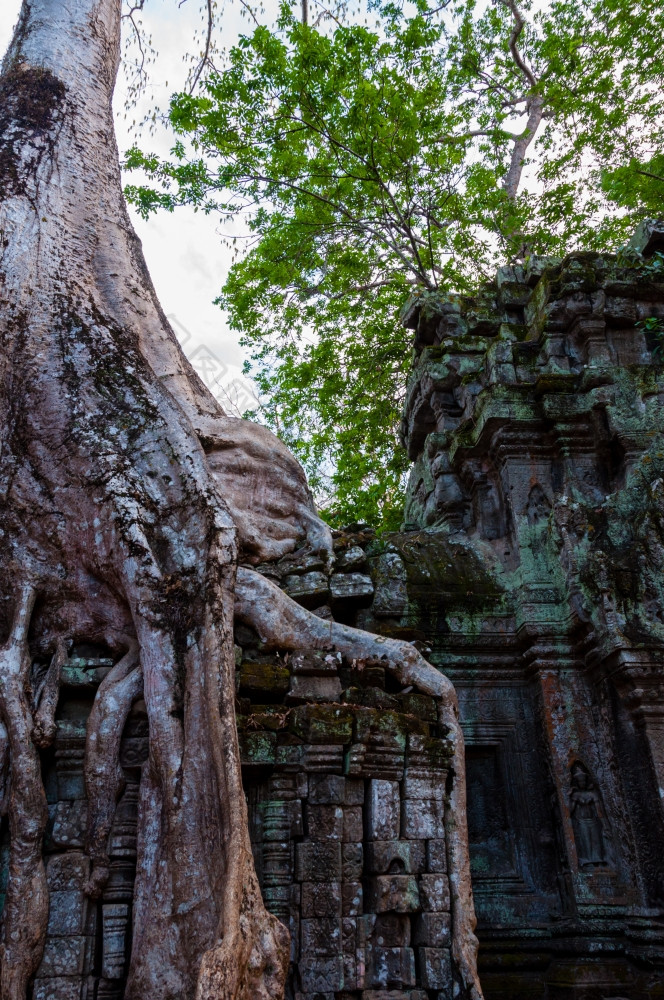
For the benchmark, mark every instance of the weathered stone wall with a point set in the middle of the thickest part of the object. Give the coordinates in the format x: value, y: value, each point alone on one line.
x: 346, y: 781
x: 533, y: 566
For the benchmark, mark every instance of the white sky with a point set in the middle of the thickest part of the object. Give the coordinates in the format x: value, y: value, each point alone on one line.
x: 184, y: 253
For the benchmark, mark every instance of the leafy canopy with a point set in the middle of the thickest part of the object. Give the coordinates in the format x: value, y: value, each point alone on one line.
x: 368, y: 164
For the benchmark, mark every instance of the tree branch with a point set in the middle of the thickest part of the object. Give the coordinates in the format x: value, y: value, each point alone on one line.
x: 517, y: 30
x: 206, y: 53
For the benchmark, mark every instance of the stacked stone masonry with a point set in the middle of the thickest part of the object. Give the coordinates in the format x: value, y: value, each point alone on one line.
x: 347, y: 789
x: 346, y: 786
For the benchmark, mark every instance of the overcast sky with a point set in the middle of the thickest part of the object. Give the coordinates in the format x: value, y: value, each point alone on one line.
x: 183, y: 251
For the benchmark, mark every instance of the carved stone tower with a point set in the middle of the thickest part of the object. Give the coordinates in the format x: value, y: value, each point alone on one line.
x: 532, y: 564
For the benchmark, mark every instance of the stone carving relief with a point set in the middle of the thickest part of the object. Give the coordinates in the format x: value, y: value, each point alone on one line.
x: 586, y: 813
x: 538, y: 506
x: 557, y: 438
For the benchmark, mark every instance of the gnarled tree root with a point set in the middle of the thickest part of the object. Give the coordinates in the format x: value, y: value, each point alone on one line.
x: 250, y: 959
x: 251, y: 962
x: 25, y: 913
x: 197, y: 899
x: 104, y: 780
x: 46, y: 701
x: 283, y: 624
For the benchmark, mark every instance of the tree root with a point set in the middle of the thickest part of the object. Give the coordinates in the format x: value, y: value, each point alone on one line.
x: 250, y: 959
x: 25, y: 913
x: 251, y: 962
x: 46, y: 700
x: 200, y: 924
x: 283, y: 624
x: 104, y: 780
x: 5, y: 771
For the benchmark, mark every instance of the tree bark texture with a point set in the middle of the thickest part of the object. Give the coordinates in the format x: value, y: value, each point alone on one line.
x: 127, y: 497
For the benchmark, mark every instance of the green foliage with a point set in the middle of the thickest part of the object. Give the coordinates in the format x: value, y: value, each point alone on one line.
x: 654, y: 331
x: 420, y: 154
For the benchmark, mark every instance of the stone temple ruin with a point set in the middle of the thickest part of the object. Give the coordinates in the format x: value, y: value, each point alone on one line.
x: 530, y: 567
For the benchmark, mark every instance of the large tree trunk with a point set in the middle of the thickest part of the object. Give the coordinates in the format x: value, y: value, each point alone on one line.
x: 126, y: 496
x: 115, y: 526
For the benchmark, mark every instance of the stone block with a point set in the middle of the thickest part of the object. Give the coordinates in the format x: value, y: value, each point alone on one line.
x: 398, y: 893
x: 63, y: 956
x: 320, y: 936
x: 352, y: 862
x: 353, y: 824
x: 349, y: 933
x: 67, y: 911
x: 373, y: 676
x: 392, y: 930
x: 392, y: 967
x: 289, y: 757
x: 68, y: 824
x: 374, y: 759
x: 323, y: 724
x: 269, y: 680
x: 277, y: 819
x: 386, y: 728
x: 395, y: 995
x: 318, y: 862
x: 349, y: 939
x: 134, y: 751
x: 297, y: 825
x: 435, y: 893
x: 322, y: 899
x: 365, y: 928
x: 422, y: 819
x: 419, y: 705
x: 391, y: 598
x: 277, y: 861
x: 115, y: 920
x: 351, y: 558
x: 429, y: 753
x: 417, y: 785
x: 354, y: 792
x: 383, y: 810
x: 258, y: 748
x: 297, y: 562
x: 326, y: 758
x: 277, y: 899
x: 71, y: 785
x: 436, y: 855
x: 322, y: 975
x: 350, y: 586
x: 315, y: 663
x: 58, y: 988
x: 352, y: 896
x: 432, y: 930
x: 321, y: 689
x: 325, y: 822
x: 307, y: 588
x: 350, y: 976
x: 435, y: 968
x: 67, y: 871
x: 395, y: 857
x: 327, y: 789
